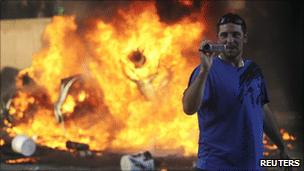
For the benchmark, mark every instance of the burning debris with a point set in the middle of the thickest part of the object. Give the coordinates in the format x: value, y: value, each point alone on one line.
x: 141, y: 161
x: 83, y: 150
x: 131, y: 82
x: 145, y: 83
x: 137, y: 69
x: 138, y: 58
x: 77, y: 146
x: 64, y: 89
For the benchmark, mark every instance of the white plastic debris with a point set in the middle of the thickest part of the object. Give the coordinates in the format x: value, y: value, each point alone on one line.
x: 24, y: 145
x: 137, y: 162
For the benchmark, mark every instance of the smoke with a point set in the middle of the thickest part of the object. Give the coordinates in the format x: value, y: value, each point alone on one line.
x: 172, y: 11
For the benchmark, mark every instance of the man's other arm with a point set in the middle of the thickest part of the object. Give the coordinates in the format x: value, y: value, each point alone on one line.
x: 272, y: 131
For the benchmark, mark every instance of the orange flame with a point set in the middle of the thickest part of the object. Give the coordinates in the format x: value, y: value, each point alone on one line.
x: 21, y: 160
x: 2, y: 142
x: 186, y: 2
x: 121, y: 104
x: 287, y: 137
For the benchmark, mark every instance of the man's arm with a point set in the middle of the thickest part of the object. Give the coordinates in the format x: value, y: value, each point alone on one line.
x: 192, y: 98
x: 272, y: 131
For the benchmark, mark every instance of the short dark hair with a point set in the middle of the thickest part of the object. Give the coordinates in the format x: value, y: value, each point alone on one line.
x: 232, y: 18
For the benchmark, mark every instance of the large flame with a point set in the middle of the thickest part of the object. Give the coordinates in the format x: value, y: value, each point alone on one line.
x: 134, y: 70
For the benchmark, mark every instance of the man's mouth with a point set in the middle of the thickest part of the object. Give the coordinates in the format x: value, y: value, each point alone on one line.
x: 230, y: 47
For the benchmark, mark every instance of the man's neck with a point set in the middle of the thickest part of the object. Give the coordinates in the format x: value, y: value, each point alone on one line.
x: 237, y: 62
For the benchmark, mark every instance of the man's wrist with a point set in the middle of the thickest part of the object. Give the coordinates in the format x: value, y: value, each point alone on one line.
x: 281, y: 147
x: 203, y: 74
x: 204, y: 70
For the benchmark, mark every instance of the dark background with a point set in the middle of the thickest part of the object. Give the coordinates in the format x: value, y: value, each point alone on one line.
x: 275, y: 30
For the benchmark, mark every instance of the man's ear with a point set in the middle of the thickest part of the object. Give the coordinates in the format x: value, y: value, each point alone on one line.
x: 245, y: 38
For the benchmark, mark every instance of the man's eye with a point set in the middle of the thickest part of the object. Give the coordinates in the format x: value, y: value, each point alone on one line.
x: 223, y: 34
x: 236, y: 34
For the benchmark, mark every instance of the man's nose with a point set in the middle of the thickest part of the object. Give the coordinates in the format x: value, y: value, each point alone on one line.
x: 230, y: 38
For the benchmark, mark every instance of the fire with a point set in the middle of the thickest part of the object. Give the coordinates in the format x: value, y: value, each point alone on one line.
x: 69, y: 104
x: 287, y: 137
x: 134, y: 70
x: 20, y: 105
x: 186, y: 2
x: 21, y: 160
x: 81, y: 96
x: 2, y: 142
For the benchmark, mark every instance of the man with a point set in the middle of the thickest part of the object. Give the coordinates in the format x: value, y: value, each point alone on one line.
x: 229, y: 94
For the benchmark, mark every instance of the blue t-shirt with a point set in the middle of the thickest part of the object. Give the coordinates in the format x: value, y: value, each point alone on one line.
x: 231, y: 116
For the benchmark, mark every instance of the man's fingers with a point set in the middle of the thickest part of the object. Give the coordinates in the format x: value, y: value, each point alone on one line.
x: 207, y: 54
x: 203, y: 43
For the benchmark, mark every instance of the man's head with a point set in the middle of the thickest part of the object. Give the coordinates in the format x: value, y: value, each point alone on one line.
x: 232, y: 31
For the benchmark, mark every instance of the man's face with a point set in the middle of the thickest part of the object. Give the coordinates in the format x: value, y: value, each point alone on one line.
x: 233, y: 37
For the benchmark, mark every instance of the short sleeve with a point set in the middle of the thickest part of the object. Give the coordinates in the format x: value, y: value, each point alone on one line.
x: 264, y: 93
x: 194, y: 74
